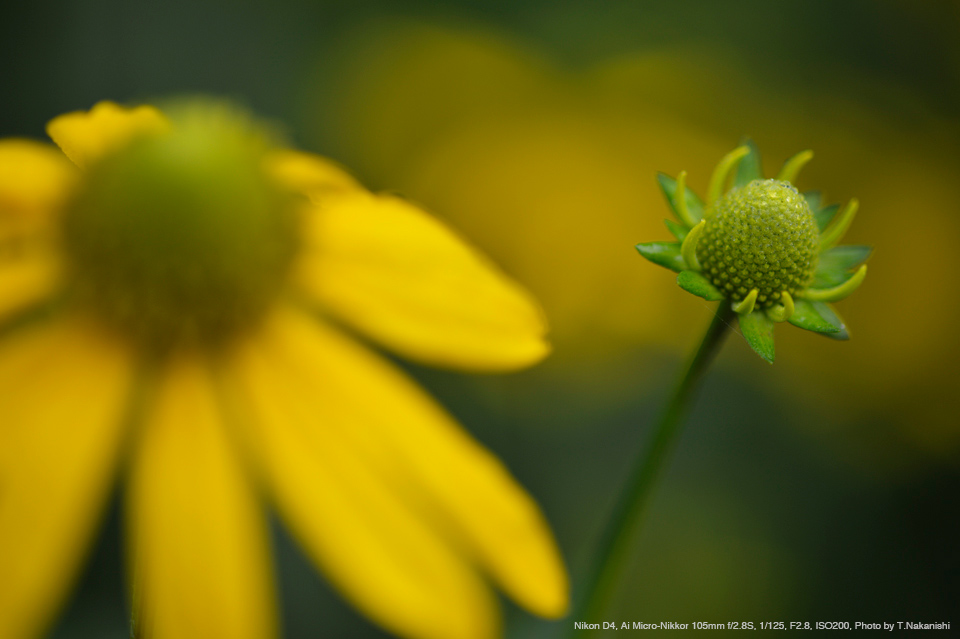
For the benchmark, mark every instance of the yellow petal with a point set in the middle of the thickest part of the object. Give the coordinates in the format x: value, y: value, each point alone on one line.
x: 63, y: 393
x: 35, y: 180
x: 376, y: 548
x: 199, y: 553
x: 405, y: 279
x: 28, y: 281
x: 309, y: 174
x: 86, y: 136
x: 340, y: 390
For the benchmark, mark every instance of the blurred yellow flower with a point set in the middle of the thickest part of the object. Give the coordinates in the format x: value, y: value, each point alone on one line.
x: 172, y: 306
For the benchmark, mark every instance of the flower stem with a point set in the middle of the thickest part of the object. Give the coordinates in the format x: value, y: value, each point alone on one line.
x: 614, y: 546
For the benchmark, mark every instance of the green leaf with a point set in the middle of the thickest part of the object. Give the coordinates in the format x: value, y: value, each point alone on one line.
x: 666, y: 254
x: 813, y: 199
x: 834, y: 266
x: 679, y: 231
x: 757, y: 329
x: 693, y: 282
x: 810, y: 316
x: 669, y: 187
x: 824, y: 215
x: 749, y: 168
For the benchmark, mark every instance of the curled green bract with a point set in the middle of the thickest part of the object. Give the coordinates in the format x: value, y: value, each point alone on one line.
x: 762, y: 247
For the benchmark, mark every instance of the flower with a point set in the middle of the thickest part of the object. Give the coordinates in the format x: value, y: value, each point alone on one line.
x: 173, y: 309
x: 768, y: 249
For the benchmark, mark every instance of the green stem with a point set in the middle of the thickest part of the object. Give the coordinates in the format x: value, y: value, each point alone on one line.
x: 614, y: 547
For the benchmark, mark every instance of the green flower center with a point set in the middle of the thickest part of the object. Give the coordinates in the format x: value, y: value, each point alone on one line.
x: 761, y: 236
x: 180, y: 239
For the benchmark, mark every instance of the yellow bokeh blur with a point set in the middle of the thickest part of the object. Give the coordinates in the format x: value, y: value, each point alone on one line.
x: 552, y: 170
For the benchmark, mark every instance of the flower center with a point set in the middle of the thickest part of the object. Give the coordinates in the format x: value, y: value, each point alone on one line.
x: 180, y: 239
x: 761, y: 236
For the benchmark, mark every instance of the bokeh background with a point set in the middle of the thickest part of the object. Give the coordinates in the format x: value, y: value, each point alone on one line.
x: 826, y: 487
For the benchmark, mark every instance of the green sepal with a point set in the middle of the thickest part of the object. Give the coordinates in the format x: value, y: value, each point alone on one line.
x: 693, y: 282
x: 666, y: 254
x: 679, y: 231
x: 749, y: 168
x: 669, y: 187
x: 811, y: 316
x: 825, y: 215
x: 834, y: 265
x: 822, y: 214
x: 829, y: 313
x: 757, y: 329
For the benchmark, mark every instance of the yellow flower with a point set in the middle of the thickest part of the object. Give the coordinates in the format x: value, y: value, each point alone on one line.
x: 174, y: 310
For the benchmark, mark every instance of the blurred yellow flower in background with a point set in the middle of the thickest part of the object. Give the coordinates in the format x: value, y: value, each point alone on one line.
x: 173, y: 306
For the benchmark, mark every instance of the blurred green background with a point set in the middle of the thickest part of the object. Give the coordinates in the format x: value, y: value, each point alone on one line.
x: 826, y: 487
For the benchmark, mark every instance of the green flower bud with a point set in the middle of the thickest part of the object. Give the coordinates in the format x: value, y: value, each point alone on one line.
x: 762, y: 236
x: 762, y: 247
